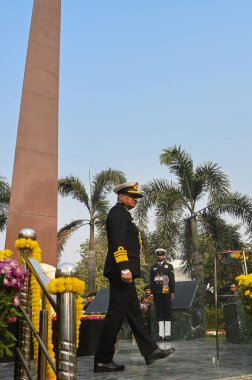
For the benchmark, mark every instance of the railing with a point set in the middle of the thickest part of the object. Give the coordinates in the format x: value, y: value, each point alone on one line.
x: 64, y: 306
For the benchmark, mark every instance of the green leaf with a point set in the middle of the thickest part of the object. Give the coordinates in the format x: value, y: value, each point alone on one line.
x: 2, y: 275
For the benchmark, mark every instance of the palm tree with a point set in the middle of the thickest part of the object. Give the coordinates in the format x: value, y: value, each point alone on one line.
x: 216, y: 235
x: 4, y: 203
x: 178, y: 207
x: 97, y: 206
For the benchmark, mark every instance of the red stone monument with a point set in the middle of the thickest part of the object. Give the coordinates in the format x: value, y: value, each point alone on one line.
x: 34, y: 191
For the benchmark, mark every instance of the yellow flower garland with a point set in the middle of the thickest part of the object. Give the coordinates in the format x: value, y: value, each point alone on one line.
x: 58, y: 285
x: 5, y: 254
x: 238, y: 255
x: 69, y: 284
x: 49, y: 370
x: 35, y: 252
x: 245, y: 290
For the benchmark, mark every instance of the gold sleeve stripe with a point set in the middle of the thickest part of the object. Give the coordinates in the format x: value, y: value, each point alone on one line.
x: 121, y: 255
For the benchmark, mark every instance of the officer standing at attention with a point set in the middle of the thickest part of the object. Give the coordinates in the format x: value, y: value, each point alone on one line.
x: 162, y: 282
x: 122, y: 266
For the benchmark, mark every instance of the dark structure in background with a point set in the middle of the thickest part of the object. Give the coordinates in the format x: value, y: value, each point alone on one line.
x: 237, y: 323
x: 100, y: 303
x: 90, y: 329
x: 187, y: 316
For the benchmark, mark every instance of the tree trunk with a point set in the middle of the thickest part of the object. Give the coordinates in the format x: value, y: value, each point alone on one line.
x: 197, y: 261
x: 91, y: 260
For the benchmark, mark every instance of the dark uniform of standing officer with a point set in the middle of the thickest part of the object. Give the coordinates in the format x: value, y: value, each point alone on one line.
x: 162, y: 283
x: 122, y: 266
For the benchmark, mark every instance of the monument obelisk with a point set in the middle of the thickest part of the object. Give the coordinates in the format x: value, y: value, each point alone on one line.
x: 34, y: 191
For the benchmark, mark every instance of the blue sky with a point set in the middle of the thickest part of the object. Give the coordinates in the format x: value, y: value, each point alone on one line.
x: 137, y: 77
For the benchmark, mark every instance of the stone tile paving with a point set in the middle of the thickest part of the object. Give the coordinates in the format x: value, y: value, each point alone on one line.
x: 192, y: 360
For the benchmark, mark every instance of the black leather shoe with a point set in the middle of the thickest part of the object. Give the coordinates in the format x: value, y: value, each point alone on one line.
x: 160, y: 339
x: 158, y: 354
x: 108, y: 367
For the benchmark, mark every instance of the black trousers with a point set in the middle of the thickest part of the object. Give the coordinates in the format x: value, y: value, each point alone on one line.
x: 162, y: 304
x: 123, y: 304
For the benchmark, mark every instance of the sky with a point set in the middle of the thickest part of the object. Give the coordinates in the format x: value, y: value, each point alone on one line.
x: 136, y: 77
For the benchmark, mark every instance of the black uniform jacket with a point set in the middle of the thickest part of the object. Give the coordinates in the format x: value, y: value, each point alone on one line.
x: 165, y: 269
x: 123, y: 243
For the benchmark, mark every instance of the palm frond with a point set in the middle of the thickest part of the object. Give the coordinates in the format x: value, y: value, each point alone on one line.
x: 4, y: 192
x: 181, y: 164
x: 237, y: 205
x: 65, y: 232
x: 4, y: 203
x: 214, y: 180
x: 3, y: 221
x: 72, y: 186
x: 160, y: 195
x: 178, y: 161
x: 103, y: 182
x: 102, y: 208
x: 217, y: 234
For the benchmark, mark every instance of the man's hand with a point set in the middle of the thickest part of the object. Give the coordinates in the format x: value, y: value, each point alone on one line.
x: 172, y: 296
x: 126, y: 277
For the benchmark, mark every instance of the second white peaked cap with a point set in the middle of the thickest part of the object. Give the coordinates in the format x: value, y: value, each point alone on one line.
x: 160, y: 252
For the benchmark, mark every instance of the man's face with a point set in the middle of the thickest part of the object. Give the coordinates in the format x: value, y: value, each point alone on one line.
x: 160, y: 258
x: 233, y: 288
x: 147, y: 292
x: 128, y: 201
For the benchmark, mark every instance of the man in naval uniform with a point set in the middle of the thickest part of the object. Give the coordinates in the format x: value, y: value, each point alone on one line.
x: 122, y: 266
x: 162, y: 283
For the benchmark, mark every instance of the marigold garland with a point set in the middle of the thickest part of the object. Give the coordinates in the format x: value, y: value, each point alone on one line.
x: 245, y: 290
x: 49, y: 370
x: 238, y: 255
x: 70, y: 284
x: 35, y: 252
x: 5, y: 254
x: 59, y: 285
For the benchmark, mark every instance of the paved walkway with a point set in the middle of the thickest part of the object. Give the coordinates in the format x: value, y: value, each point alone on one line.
x: 192, y: 360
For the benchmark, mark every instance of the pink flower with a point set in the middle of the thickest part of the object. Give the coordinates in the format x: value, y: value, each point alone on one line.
x: 6, y: 282
x: 16, y: 301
